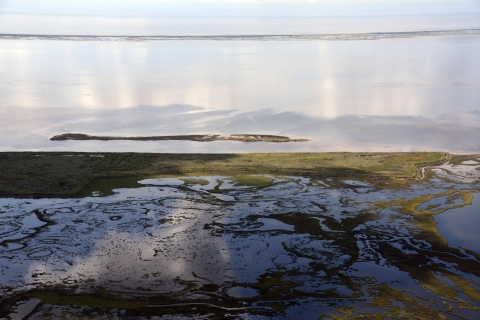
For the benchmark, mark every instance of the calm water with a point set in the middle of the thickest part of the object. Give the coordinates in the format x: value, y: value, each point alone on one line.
x: 409, y: 93
x: 295, y: 247
x: 426, y: 76
x: 461, y: 227
x: 296, y: 241
x: 110, y: 24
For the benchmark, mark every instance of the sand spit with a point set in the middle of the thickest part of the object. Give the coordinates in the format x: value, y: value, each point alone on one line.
x: 191, y: 137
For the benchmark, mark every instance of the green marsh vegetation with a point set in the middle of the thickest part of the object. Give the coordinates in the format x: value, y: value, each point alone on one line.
x: 383, y: 217
x: 66, y: 174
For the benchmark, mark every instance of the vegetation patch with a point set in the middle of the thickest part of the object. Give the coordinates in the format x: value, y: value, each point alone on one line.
x: 424, y: 220
x: 251, y: 181
x: 199, y: 181
x: 459, y: 158
x: 66, y: 174
x: 391, y: 304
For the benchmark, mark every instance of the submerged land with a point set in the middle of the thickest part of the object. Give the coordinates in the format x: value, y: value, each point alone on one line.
x: 190, y: 137
x: 66, y: 174
x: 271, y: 236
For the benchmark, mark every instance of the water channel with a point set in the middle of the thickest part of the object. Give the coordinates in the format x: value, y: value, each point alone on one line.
x: 291, y: 246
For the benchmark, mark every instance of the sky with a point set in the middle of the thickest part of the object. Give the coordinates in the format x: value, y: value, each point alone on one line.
x: 239, y: 8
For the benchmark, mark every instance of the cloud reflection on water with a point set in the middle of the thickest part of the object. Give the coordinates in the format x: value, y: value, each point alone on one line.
x: 135, y: 251
x: 413, y: 76
x: 208, y: 246
x: 450, y: 132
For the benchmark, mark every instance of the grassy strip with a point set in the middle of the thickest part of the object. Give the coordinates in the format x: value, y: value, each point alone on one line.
x: 65, y: 174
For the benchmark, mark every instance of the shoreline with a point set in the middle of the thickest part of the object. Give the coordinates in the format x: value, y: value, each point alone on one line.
x: 349, y: 36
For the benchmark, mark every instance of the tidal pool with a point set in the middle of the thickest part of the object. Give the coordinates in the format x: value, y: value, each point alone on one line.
x: 295, y: 246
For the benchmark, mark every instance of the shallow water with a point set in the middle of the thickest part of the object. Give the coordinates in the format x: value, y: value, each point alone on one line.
x: 461, y: 226
x: 23, y: 309
x: 288, y: 246
x: 309, y: 77
x: 400, y: 94
x: 292, y: 248
x: 58, y: 24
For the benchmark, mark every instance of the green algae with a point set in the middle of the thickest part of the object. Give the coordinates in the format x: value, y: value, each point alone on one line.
x: 417, y: 265
x: 386, y: 299
x: 424, y: 220
x: 251, y: 181
x: 273, y: 285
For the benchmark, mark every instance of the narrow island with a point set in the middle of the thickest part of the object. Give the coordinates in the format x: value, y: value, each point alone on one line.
x: 190, y: 137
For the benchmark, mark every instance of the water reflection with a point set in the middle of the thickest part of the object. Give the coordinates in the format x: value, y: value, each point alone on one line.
x: 61, y: 24
x: 460, y: 227
x: 424, y: 76
x: 291, y: 240
x: 31, y: 129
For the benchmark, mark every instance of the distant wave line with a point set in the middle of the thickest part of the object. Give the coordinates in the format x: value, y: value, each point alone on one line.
x: 285, y: 37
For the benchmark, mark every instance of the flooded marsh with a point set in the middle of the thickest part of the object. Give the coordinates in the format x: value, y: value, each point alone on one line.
x: 128, y: 189
x: 67, y: 174
x: 232, y: 246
